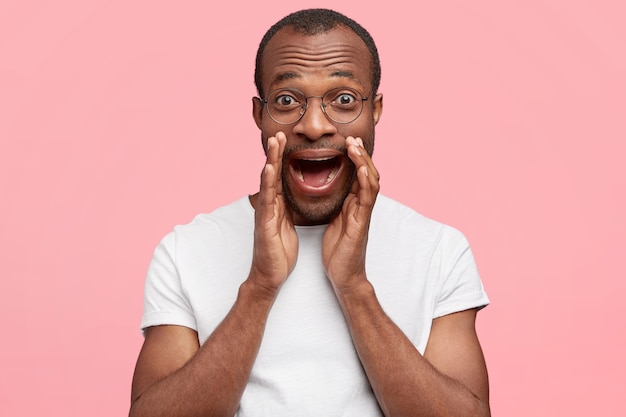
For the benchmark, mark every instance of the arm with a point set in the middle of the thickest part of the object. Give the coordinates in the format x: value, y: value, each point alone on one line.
x: 174, y: 376
x: 450, y: 379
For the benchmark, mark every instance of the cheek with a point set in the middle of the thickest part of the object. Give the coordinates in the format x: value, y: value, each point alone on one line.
x: 363, y: 130
x: 270, y: 128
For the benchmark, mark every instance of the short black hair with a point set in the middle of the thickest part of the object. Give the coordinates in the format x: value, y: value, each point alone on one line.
x: 313, y: 22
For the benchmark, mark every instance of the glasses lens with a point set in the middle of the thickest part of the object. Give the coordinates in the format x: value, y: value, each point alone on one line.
x: 343, y: 105
x: 286, y: 106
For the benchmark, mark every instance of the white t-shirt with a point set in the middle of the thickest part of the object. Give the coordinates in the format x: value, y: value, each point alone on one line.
x: 307, y: 364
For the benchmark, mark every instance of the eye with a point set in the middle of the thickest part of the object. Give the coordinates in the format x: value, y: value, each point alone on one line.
x: 285, y: 100
x: 345, y: 99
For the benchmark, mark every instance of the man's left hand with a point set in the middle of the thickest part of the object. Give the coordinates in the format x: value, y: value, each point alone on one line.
x: 345, y: 240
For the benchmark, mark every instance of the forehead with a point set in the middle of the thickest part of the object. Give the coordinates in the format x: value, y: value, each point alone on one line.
x: 291, y: 56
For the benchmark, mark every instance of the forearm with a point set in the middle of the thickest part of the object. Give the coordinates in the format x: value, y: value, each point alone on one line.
x: 212, y: 381
x: 404, y: 382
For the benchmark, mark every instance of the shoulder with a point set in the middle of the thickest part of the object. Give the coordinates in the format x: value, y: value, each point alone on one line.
x: 220, y: 225
x: 397, y: 228
x: 393, y: 217
x: 237, y: 214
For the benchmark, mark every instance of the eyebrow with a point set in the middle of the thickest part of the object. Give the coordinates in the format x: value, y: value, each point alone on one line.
x: 286, y: 76
x: 291, y: 75
x: 345, y: 74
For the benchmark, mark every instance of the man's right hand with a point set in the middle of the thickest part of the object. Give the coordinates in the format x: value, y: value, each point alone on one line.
x: 275, y: 239
x: 175, y: 376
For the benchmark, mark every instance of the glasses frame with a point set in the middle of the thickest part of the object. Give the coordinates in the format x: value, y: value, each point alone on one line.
x: 304, y: 107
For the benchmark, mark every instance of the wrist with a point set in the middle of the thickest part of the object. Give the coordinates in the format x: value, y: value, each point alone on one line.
x: 252, y: 290
x: 358, y: 290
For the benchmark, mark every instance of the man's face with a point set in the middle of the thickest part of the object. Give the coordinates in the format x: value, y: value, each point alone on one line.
x: 317, y: 174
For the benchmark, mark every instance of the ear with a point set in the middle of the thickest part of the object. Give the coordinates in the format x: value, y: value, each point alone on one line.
x: 378, y: 108
x: 257, y: 111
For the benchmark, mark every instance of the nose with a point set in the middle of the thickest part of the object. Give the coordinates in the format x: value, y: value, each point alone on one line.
x: 314, y: 124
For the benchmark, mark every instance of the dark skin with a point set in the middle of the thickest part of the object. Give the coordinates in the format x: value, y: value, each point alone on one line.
x: 176, y: 376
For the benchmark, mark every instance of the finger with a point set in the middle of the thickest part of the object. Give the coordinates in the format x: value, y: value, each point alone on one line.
x: 273, y: 148
x: 365, y: 192
x: 361, y: 159
x: 282, y: 143
x: 357, y: 153
x: 370, y: 163
x: 356, y: 156
x: 268, y: 190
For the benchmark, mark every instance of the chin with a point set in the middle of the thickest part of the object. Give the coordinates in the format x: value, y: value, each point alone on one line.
x: 319, y: 209
x: 312, y: 213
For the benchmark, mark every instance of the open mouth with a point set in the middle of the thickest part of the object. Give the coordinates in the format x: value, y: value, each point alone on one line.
x: 317, y: 172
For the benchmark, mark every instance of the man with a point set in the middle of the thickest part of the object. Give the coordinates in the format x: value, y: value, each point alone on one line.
x: 307, y: 298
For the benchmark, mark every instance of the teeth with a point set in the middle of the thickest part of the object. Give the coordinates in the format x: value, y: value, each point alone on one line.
x: 319, y: 159
x: 332, y: 174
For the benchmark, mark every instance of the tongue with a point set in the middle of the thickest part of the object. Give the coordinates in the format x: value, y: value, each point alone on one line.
x: 316, y: 173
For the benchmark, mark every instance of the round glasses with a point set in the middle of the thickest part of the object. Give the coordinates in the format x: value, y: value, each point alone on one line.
x: 287, y: 105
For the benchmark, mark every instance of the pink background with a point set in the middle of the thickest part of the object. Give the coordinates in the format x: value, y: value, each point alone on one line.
x: 120, y: 119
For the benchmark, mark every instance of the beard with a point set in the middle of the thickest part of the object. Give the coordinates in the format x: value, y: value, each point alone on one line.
x: 318, y: 210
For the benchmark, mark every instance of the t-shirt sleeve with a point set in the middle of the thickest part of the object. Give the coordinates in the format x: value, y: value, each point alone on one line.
x: 462, y: 287
x: 165, y: 301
